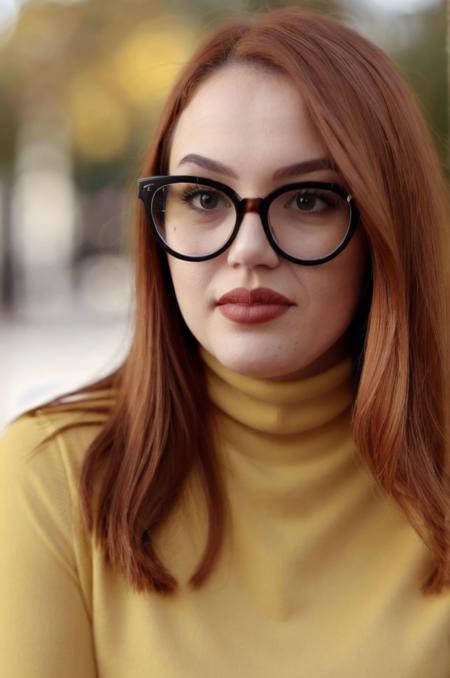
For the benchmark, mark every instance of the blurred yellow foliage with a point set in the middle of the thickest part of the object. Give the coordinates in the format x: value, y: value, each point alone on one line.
x: 113, y: 62
x: 135, y: 76
x: 98, y: 118
x: 148, y: 61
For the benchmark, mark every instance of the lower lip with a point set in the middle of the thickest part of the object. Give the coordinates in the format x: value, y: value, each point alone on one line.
x: 252, y: 313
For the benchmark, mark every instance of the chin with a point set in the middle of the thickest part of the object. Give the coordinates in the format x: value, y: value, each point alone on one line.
x: 263, y: 362
x: 259, y: 367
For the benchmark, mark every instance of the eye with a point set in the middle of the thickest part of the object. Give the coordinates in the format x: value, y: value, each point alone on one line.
x: 203, y: 199
x: 312, y: 201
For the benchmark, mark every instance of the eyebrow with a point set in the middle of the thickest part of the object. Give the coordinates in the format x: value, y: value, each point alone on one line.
x: 304, y: 167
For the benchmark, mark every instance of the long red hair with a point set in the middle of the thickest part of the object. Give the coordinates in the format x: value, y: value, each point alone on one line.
x: 154, y: 434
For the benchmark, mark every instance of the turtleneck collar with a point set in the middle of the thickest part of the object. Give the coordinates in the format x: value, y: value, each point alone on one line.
x: 280, y: 407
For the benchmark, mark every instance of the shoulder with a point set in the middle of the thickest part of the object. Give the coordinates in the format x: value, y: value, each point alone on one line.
x: 41, y: 455
x: 43, y: 536
x: 54, y: 436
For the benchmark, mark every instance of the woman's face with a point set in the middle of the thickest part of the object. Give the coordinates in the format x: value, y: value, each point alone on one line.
x: 253, y: 123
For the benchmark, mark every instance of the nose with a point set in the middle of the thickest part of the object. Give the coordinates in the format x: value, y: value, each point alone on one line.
x: 251, y: 247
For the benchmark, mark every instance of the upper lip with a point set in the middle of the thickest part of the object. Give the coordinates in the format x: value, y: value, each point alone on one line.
x: 259, y: 295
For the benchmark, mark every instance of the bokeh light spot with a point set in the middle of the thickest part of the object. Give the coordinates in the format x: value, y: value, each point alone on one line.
x: 99, y: 120
x: 149, y: 60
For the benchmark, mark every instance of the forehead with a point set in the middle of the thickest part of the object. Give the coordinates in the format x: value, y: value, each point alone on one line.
x: 244, y: 115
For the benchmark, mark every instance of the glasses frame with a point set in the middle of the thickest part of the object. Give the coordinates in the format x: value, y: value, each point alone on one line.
x: 147, y: 187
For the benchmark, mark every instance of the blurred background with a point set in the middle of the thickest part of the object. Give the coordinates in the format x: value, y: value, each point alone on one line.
x: 81, y: 86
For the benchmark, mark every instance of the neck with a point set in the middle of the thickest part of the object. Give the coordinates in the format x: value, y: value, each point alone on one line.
x: 279, y: 407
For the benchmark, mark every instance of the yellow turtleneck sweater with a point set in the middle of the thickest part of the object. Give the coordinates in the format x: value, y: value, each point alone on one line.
x: 319, y: 577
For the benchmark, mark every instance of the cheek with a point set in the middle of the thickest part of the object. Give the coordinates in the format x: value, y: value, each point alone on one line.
x: 334, y: 289
x: 190, y: 281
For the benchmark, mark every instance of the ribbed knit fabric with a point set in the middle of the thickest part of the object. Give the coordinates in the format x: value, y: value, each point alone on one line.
x: 319, y: 576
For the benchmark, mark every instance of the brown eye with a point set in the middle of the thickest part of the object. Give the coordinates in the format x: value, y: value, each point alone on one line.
x: 208, y: 200
x: 203, y: 200
x: 311, y: 202
x: 305, y: 202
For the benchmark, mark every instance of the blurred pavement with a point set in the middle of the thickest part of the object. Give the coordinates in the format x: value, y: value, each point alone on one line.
x: 38, y: 361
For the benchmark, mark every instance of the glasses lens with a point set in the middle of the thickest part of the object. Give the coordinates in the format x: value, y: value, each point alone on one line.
x: 193, y: 219
x: 309, y: 223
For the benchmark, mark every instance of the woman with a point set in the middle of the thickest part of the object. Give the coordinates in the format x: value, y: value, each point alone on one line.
x: 261, y: 488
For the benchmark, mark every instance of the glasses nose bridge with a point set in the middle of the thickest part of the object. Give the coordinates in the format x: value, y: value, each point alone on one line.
x: 262, y: 246
x: 251, y: 205
x: 255, y: 205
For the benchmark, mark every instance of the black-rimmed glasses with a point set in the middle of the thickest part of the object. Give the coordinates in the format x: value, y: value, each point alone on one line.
x: 195, y: 218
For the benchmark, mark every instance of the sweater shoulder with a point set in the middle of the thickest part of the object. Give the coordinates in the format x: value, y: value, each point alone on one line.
x: 41, y: 456
x: 65, y: 430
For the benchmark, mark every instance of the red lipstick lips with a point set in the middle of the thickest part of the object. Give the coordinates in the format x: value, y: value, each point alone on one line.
x: 253, y: 306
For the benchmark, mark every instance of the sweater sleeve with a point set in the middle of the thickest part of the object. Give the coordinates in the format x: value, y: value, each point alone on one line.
x: 45, y: 628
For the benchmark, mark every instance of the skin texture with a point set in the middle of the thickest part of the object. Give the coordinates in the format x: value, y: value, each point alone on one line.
x: 255, y: 122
